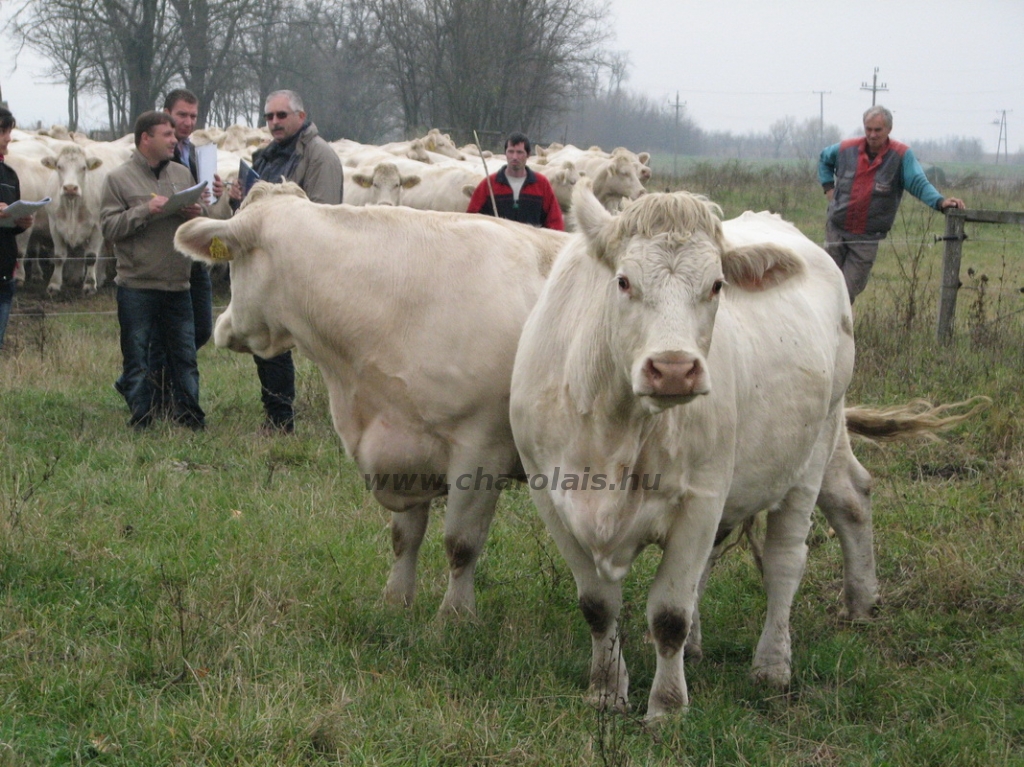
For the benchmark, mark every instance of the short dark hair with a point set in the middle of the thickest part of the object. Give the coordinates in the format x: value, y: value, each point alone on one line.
x: 519, y: 138
x: 149, y: 120
x: 179, y: 94
x: 7, y: 120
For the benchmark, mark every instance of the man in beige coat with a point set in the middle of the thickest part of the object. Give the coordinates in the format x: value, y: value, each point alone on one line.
x: 152, y: 278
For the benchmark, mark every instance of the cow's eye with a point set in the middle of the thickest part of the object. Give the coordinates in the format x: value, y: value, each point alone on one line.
x: 716, y: 288
x: 624, y: 284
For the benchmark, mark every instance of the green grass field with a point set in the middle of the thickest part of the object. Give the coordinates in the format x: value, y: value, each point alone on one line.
x: 171, y: 598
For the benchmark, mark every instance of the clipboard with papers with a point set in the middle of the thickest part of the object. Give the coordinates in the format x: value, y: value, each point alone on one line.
x: 183, y: 199
x: 247, y: 176
x: 20, y: 209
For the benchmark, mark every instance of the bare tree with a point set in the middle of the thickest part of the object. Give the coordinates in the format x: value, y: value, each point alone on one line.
x: 490, y: 64
x: 210, y: 31
x: 62, y: 36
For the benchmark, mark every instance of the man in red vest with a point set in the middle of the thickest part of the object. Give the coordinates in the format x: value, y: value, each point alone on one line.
x: 864, y: 179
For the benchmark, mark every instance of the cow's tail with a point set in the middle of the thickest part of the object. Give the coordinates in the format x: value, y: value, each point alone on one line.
x: 915, y: 419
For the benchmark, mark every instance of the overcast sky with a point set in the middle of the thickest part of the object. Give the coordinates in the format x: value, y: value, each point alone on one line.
x: 951, y: 67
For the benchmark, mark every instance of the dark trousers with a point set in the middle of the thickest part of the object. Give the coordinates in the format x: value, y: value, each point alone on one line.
x: 201, y: 291
x: 6, y: 301
x: 142, y: 314
x: 277, y: 381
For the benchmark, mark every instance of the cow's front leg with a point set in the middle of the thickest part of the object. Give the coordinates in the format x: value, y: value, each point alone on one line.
x: 407, y: 531
x: 94, y: 266
x: 785, y: 554
x: 600, y: 601
x: 845, y: 498
x: 60, y: 256
x: 673, y: 599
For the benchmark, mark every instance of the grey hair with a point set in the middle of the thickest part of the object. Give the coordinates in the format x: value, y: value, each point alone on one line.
x: 879, y: 111
x: 294, y: 99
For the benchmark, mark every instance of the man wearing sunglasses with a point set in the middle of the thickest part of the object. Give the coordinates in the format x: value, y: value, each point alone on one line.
x: 298, y: 154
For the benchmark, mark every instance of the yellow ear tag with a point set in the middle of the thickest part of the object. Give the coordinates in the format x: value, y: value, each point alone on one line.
x: 219, y: 251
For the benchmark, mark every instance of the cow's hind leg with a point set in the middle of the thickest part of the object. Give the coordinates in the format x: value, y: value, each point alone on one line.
x: 466, y: 523
x: 845, y: 498
x: 407, y: 531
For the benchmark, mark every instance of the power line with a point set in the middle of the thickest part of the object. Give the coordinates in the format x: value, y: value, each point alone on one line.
x: 821, y: 121
x: 874, y: 87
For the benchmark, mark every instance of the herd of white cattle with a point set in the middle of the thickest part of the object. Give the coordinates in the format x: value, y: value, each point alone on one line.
x: 709, y: 361
x: 698, y: 367
x: 427, y: 173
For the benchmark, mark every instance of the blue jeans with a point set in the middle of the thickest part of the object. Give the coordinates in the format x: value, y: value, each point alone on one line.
x: 6, y: 301
x: 202, y: 314
x: 142, y: 314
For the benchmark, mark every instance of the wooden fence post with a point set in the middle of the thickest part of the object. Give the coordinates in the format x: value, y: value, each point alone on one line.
x: 955, y: 218
x: 950, y: 273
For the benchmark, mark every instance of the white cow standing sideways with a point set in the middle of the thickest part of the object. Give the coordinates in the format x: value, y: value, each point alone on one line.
x: 412, y: 317
x: 701, y: 374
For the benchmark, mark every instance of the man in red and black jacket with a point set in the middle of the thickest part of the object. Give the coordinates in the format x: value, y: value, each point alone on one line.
x: 519, y: 193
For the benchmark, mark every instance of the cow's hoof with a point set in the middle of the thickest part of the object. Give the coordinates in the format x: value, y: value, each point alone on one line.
x: 52, y: 292
x: 605, y: 700
x: 863, y: 613
x: 88, y: 290
x: 776, y: 675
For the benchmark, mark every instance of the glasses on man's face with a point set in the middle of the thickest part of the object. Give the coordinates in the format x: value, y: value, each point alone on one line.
x: 278, y: 115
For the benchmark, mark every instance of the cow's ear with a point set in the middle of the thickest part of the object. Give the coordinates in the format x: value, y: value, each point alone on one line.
x: 761, y: 266
x: 92, y: 163
x: 49, y: 162
x: 591, y: 218
x: 362, y: 180
x: 207, y: 240
x: 408, y: 182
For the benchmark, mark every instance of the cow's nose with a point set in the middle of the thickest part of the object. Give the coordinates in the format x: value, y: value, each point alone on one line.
x: 673, y: 375
x: 71, y: 189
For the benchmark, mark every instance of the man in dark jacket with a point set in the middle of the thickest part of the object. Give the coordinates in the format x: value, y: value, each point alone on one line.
x: 296, y: 154
x: 10, y: 191
x: 520, y: 194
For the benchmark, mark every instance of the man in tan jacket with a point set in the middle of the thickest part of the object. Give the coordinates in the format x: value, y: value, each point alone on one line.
x: 152, y: 278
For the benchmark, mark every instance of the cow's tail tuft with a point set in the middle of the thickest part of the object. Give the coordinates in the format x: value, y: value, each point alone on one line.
x: 917, y: 419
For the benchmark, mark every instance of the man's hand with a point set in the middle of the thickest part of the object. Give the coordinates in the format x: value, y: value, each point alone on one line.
x: 951, y: 202
x: 156, y: 204
x: 191, y: 211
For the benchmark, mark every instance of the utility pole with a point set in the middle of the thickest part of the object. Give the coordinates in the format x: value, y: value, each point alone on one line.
x: 1003, y: 142
x: 675, y: 138
x: 821, y: 119
x: 874, y: 87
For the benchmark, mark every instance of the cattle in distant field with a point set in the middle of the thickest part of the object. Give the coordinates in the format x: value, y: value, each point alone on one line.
x: 676, y: 377
x: 616, y: 177
x: 412, y: 317
x: 74, y: 215
x: 26, y: 156
x: 382, y: 184
x: 562, y: 177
